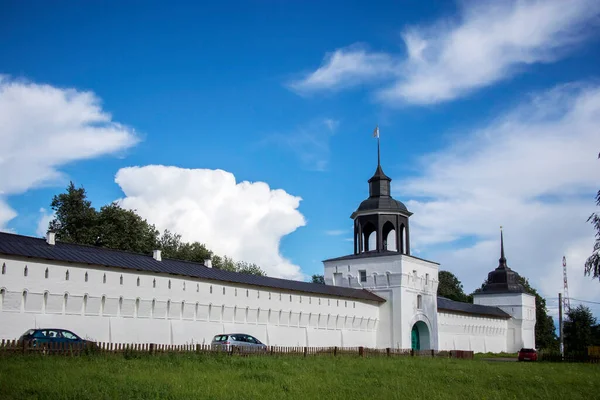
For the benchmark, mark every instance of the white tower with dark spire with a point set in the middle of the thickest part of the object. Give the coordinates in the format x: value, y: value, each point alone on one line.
x: 381, y: 263
x: 504, y: 291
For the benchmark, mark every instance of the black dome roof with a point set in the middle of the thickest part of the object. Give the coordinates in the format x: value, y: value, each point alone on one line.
x: 382, y: 203
x: 380, y: 198
x: 503, y: 279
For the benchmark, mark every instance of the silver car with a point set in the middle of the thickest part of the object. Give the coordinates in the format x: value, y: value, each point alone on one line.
x: 228, y: 340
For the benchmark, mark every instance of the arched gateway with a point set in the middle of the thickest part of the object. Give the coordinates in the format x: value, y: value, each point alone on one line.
x: 419, y: 335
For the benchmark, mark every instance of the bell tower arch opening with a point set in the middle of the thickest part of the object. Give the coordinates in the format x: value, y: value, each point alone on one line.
x: 389, y: 236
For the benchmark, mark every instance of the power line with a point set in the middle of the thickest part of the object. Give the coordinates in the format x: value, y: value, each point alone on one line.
x: 584, y: 301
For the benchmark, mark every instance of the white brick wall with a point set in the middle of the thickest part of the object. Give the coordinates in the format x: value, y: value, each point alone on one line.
x: 111, y: 306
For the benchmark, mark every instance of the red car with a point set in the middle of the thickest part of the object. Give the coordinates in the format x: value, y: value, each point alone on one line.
x: 528, y: 355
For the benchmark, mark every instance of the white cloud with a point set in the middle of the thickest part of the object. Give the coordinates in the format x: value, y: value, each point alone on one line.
x: 535, y: 171
x: 44, y: 221
x: 42, y: 128
x: 344, y: 68
x: 309, y: 143
x: 244, y: 220
x: 489, y: 42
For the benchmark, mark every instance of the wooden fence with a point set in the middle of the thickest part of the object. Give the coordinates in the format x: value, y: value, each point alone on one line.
x: 582, y: 357
x: 27, y: 347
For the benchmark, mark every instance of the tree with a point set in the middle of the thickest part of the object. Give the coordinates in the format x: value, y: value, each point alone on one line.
x: 225, y: 263
x: 450, y: 287
x: 592, y: 264
x: 249, y: 268
x: 123, y: 229
x: 75, y: 220
x: 318, y: 279
x: 545, y: 331
x: 172, y: 247
x: 578, y: 329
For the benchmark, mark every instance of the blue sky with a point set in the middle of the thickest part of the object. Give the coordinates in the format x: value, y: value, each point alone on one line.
x: 288, y: 93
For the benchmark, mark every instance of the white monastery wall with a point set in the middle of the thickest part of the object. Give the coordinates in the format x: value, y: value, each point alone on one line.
x: 471, y: 332
x: 121, y: 305
x: 521, y: 327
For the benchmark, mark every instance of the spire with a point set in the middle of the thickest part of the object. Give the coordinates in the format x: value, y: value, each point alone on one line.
x: 376, y: 134
x: 502, y: 261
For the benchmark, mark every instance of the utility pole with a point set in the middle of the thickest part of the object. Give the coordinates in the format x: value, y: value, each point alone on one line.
x: 560, y: 324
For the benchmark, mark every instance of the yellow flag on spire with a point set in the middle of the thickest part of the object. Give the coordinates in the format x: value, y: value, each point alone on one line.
x: 376, y: 132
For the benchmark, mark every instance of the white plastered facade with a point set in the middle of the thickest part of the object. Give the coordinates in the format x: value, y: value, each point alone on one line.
x: 127, y: 306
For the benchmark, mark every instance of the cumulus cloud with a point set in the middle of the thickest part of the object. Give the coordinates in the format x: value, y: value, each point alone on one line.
x: 44, y: 222
x: 309, y: 143
x: 535, y: 171
x: 488, y: 42
x: 243, y: 220
x: 42, y: 128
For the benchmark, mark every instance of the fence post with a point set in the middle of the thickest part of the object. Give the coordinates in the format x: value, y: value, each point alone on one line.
x: 305, y: 351
x: 387, y: 351
x: 412, y: 352
x: 361, y: 351
x: 152, y: 345
x: 335, y: 351
x: 432, y: 353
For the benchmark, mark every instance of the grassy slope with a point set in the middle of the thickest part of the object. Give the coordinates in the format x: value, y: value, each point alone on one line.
x: 210, y: 377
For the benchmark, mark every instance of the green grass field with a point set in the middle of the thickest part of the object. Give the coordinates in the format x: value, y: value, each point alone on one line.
x: 221, y: 377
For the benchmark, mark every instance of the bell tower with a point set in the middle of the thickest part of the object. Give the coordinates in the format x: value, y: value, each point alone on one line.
x: 382, y: 216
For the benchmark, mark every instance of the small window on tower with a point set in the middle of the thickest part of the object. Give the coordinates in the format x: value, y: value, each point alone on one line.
x: 363, y: 275
x: 426, y: 279
x: 419, y: 302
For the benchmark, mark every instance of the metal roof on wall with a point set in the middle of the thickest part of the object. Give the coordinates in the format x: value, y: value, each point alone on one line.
x: 26, y: 246
x: 468, y: 308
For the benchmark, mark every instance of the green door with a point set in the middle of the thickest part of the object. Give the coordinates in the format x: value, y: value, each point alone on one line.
x: 416, y: 345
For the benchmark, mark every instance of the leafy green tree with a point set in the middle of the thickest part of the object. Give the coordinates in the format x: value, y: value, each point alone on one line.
x: 592, y: 264
x: 225, y: 263
x: 318, y: 279
x: 75, y: 220
x: 450, y: 287
x: 545, y: 331
x: 249, y: 268
x: 172, y: 247
x: 578, y: 329
x: 123, y: 229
